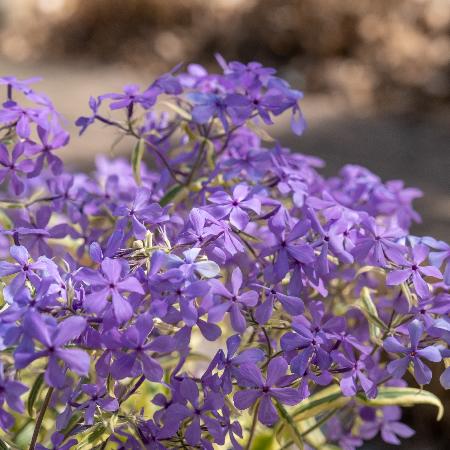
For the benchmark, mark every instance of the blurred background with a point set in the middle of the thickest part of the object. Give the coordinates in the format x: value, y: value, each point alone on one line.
x: 375, y: 73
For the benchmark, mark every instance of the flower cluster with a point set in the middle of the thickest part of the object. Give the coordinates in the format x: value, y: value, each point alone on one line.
x: 214, y: 286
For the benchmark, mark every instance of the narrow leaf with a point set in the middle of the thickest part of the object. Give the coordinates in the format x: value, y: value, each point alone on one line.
x: 180, y: 111
x: 291, y: 426
x: 324, y: 400
x: 136, y: 159
x: 34, y: 394
x: 260, y: 132
x: 412, y: 298
x: 404, y: 396
x: 170, y: 194
x: 368, y: 308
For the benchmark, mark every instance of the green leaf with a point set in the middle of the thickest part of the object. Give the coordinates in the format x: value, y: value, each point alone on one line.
x: 34, y: 394
x: 368, y: 308
x: 4, y: 445
x: 93, y: 436
x: 170, y: 194
x: 404, y: 396
x: 210, y: 153
x: 10, y: 205
x: 5, y: 221
x: 412, y: 298
x: 136, y: 159
x: 262, y: 442
x: 110, y: 384
x: 180, y: 111
x: 290, y: 426
x: 96, y: 434
x: 324, y: 400
x: 260, y: 132
x: 373, y: 269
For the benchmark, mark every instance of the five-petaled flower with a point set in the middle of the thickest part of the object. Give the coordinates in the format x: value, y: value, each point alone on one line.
x: 413, y: 354
x: 274, y: 387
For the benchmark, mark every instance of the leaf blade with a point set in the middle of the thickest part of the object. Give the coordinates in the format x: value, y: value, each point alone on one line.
x: 404, y: 396
x: 136, y: 159
x: 34, y: 394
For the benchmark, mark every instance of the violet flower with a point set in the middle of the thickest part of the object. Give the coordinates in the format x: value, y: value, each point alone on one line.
x: 415, y: 272
x: 53, y: 339
x: 388, y: 425
x: 234, y: 302
x: 272, y: 388
x: 413, y: 354
x: 137, y: 361
x: 13, y: 168
x: 10, y: 392
x: 110, y: 284
x: 235, y: 205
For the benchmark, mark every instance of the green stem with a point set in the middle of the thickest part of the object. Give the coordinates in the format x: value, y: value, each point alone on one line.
x: 288, y: 419
x: 319, y: 423
x: 253, y: 428
x: 269, y: 345
x: 40, y: 418
x: 133, y: 389
x: 200, y: 155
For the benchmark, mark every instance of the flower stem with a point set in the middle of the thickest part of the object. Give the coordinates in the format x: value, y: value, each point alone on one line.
x: 253, y: 428
x: 297, y: 437
x: 318, y: 424
x: 40, y: 418
x: 133, y: 389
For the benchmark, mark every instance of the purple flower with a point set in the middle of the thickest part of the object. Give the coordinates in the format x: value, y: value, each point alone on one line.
x: 311, y: 347
x: 97, y: 398
x: 292, y: 305
x: 439, y: 256
x: 288, y: 246
x: 413, y: 353
x: 234, y: 302
x: 10, y: 392
x: 57, y: 440
x: 84, y: 122
x: 378, y: 243
x: 24, y: 268
x: 137, y: 361
x: 130, y: 97
x: 44, y: 150
x: 249, y: 75
x: 110, y: 284
x: 353, y: 371
x: 13, y: 168
x: 21, y: 118
x: 207, y: 106
x: 272, y: 388
x: 141, y: 213
x: 236, y: 236
x: 20, y: 85
x: 415, y: 271
x: 211, y: 402
x: 190, y: 267
x: 230, y: 361
x: 53, y: 338
x: 388, y: 425
x: 151, y: 434
x: 235, y: 205
x: 222, y: 426
x: 36, y: 232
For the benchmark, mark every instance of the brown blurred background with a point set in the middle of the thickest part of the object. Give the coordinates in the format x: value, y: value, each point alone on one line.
x: 376, y: 77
